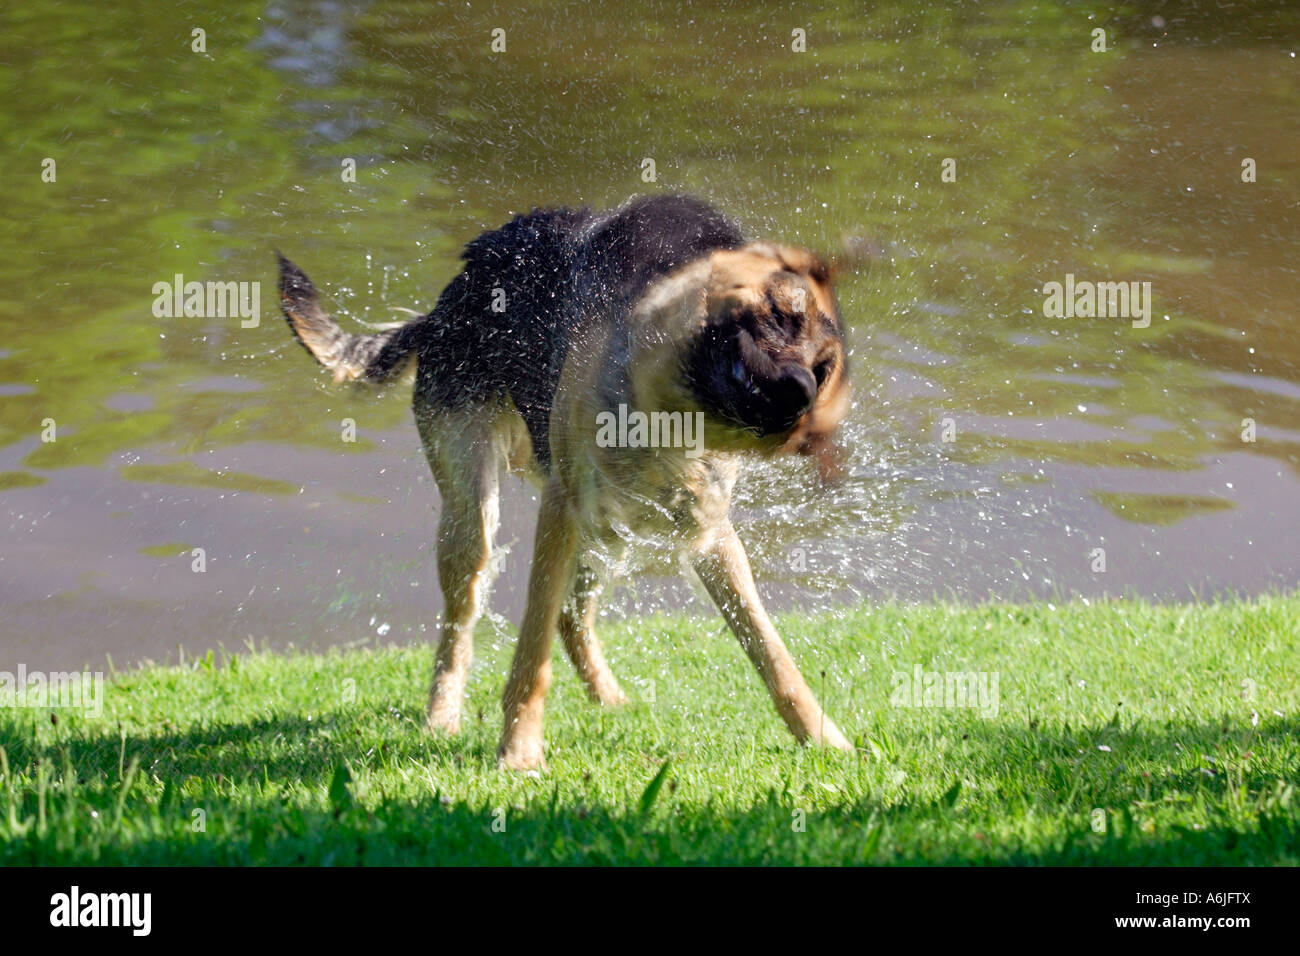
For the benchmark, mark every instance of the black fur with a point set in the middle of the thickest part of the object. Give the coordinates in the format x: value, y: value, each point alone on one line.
x: 554, y: 267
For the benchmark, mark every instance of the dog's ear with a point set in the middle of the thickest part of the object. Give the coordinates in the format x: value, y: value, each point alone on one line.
x: 765, y: 281
x: 819, y: 275
x: 735, y: 301
x: 736, y: 287
x: 806, y: 263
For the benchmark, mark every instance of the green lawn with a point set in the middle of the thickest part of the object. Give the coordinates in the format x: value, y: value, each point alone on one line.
x: 1179, y: 723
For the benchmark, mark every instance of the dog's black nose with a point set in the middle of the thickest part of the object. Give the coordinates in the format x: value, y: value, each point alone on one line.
x: 791, y: 394
x: 796, y: 388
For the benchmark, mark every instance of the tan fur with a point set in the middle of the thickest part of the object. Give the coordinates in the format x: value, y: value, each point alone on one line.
x: 348, y: 357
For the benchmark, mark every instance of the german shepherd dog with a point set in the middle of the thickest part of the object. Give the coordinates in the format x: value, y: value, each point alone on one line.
x: 659, y: 307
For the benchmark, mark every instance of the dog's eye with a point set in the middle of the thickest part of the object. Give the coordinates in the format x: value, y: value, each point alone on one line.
x: 741, y: 377
x: 822, y: 370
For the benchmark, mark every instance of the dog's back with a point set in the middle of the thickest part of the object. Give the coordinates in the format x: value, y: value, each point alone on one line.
x: 504, y: 324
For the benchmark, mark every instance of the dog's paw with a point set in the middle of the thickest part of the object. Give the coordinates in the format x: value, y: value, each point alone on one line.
x: 828, y: 735
x: 608, y: 695
x: 443, y: 720
x: 521, y: 754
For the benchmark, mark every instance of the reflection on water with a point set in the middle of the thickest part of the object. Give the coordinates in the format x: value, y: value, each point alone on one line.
x: 995, y: 449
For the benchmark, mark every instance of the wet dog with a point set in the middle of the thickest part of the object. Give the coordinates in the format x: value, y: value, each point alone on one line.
x: 561, y: 324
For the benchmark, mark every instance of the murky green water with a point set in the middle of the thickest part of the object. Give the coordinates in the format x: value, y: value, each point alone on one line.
x: 994, y: 448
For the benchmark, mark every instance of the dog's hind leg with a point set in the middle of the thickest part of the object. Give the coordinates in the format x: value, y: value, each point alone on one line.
x: 549, y: 583
x: 464, y: 453
x: 578, y: 630
x: 726, y: 574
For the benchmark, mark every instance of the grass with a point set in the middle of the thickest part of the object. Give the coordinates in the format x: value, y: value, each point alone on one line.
x: 1174, y: 725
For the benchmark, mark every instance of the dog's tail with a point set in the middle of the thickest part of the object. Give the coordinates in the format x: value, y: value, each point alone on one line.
x: 372, y: 358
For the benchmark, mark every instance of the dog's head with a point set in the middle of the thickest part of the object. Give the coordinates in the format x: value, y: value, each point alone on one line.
x: 769, y: 357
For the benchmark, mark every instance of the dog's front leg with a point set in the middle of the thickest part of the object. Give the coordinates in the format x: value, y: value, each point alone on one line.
x: 554, y: 558
x: 578, y: 630
x: 724, y: 569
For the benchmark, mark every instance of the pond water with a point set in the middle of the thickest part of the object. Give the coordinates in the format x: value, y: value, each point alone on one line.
x: 956, y: 161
